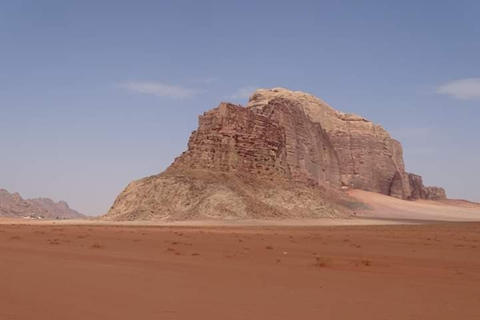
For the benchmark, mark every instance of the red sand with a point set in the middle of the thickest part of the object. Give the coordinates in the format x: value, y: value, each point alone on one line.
x: 120, y: 272
x: 385, y: 207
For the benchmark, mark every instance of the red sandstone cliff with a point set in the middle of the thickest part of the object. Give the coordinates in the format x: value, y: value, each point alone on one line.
x: 282, y: 145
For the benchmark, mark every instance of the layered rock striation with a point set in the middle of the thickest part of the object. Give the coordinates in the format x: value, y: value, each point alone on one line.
x: 291, y: 139
x: 364, y: 154
x: 298, y: 136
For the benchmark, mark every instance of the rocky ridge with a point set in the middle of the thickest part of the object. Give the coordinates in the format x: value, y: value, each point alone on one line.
x: 255, y: 161
x: 14, y: 206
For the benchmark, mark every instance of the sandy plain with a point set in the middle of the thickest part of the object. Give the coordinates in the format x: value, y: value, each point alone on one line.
x: 428, y: 271
x: 391, y: 262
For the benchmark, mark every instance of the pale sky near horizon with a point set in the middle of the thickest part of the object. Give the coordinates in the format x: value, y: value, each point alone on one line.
x: 95, y: 94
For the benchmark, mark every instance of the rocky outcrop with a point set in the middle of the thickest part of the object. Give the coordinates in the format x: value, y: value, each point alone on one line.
x: 231, y: 138
x: 416, y: 186
x: 419, y: 191
x: 199, y: 195
x: 290, y: 142
x: 435, y: 193
x: 366, y: 156
x: 276, y: 142
x: 13, y: 205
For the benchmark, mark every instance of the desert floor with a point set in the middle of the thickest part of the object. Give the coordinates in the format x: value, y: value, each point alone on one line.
x: 427, y: 271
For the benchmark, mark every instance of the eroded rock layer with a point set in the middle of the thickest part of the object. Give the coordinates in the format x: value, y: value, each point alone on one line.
x: 291, y: 139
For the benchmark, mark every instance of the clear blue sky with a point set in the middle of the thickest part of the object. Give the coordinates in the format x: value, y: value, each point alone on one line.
x: 95, y: 94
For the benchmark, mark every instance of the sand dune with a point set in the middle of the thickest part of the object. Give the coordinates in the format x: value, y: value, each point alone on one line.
x: 386, y: 207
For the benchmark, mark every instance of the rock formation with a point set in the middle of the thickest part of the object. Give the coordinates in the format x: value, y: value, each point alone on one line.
x: 364, y: 154
x: 435, y: 193
x: 419, y: 191
x: 13, y: 205
x: 286, y: 154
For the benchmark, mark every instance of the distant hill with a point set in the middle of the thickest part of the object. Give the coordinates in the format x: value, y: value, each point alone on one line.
x: 13, y: 205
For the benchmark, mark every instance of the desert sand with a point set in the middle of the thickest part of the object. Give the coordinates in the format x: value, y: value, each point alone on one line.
x: 384, y: 207
x: 396, y: 260
x: 429, y: 271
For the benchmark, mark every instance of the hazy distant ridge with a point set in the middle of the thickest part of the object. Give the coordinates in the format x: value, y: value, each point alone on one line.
x: 13, y: 205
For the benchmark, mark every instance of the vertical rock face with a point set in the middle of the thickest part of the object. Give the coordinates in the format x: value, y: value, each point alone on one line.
x: 290, y: 138
x: 416, y: 186
x: 308, y: 152
x: 277, y: 141
x: 362, y: 153
x: 366, y: 156
x: 298, y: 137
x: 231, y: 138
x: 419, y: 191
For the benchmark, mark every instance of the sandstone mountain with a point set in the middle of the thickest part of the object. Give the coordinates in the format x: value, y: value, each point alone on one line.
x: 13, y: 205
x: 286, y: 154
